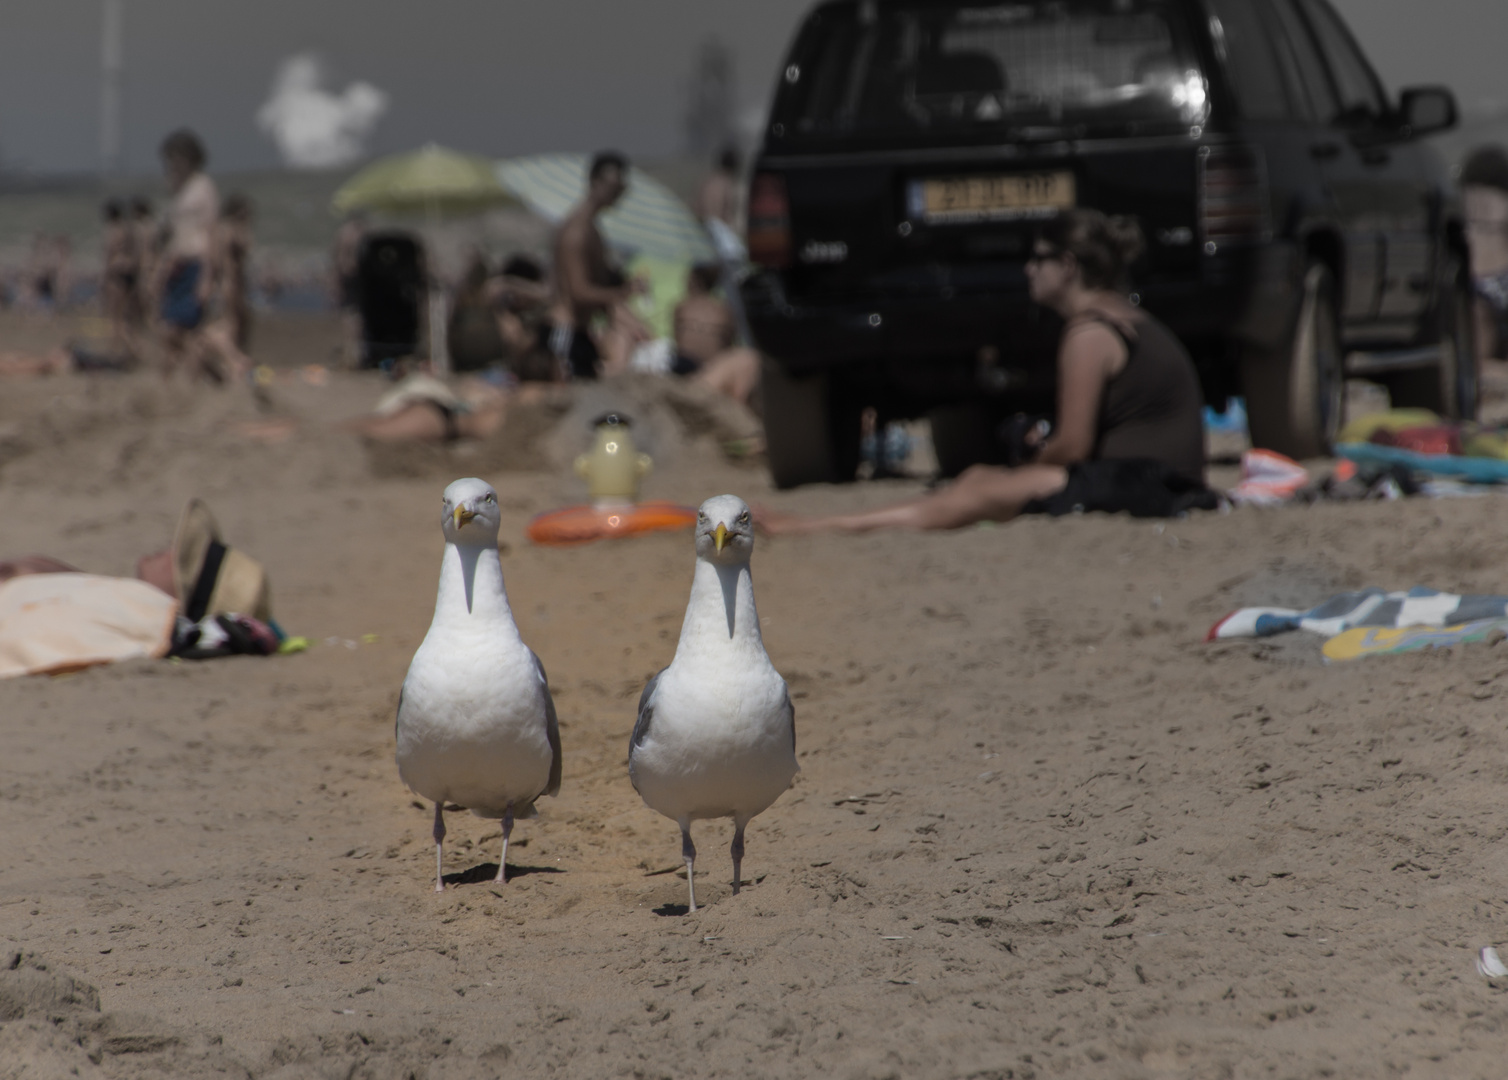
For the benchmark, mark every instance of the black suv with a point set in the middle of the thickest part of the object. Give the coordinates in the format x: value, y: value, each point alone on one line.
x: 1299, y: 231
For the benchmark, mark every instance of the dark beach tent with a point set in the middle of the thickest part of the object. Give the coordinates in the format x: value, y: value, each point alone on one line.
x: 390, y: 289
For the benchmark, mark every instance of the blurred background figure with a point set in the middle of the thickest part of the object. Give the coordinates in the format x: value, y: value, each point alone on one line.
x: 521, y: 299
x: 721, y: 196
x: 720, y: 207
x: 43, y: 279
x: 473, y: 336
x: 120, y: 284
x: 228, y: 335
x: 591, y: 288
x: 184, y: 274
x: 705, y: 340
x: 149, y: 240
x: 1484, y: 187
x: 232, y: 257
x: 343, y: 265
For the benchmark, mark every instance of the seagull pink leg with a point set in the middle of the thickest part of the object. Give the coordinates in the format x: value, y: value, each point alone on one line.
x: 502, y: 863
x: 439, y: 845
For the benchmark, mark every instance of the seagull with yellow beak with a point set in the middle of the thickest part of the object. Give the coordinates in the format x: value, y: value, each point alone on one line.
x: 716, y: 734
x: 476, y: 723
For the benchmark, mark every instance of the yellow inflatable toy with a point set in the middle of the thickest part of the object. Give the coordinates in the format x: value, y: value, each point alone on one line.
x: 612, y: 470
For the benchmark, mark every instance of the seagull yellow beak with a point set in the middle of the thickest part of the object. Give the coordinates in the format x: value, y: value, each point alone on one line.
x: 721, y: 536
x: 463, y: 515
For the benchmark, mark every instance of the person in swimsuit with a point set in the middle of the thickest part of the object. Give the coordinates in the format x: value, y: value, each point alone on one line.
x: 233, y: 253
x: 42, y: 275
x: 149, y: 241
x: 1484, y: 190
x: 1128, y: 436
x: 587, y: 284
x: 705, y: 339
x: 121, y: 286
x: 185, y: 271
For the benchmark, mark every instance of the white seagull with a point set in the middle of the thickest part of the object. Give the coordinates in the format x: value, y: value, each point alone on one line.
x: 476, y: 724
x: 716, y: 734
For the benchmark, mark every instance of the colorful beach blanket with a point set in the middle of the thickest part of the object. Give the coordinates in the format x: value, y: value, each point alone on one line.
x: 1369, y: 608
x: 1383, y: 641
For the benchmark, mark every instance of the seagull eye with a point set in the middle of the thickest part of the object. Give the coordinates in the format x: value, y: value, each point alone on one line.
x: 701, y: 516
x: 743, y: 519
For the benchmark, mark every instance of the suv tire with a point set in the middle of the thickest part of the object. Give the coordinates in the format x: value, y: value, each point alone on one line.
x: 1294, y: 399
x: 811, y: 431
x: 1451, y: 388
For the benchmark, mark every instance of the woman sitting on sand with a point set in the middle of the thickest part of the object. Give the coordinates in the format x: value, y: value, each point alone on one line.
x: 1128, y: 435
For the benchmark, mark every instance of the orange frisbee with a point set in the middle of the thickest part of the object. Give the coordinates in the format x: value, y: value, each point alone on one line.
x: 583, y: 524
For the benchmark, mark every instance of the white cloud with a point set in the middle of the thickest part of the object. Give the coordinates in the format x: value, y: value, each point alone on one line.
x: 313, y: 127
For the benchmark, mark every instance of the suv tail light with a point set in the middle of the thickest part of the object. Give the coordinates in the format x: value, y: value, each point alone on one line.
x: 769, y: 222
x: 1234, y: 207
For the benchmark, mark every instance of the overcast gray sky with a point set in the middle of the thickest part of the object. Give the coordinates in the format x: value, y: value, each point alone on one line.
x: 503, y: 76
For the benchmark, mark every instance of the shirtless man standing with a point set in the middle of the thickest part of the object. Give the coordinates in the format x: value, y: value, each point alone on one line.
x: 185, y: 270
x: 586, y: 283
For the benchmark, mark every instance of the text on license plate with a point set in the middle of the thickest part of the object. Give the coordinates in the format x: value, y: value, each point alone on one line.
x: 961, y: 199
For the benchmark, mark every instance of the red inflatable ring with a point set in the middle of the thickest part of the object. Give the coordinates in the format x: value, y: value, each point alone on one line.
x: 583, y: 524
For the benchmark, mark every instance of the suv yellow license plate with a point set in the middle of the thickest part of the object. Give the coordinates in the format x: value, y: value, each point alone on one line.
x: 963, y: 199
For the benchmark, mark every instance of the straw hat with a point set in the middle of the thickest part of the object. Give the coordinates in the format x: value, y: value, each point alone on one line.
x: 210, y: 578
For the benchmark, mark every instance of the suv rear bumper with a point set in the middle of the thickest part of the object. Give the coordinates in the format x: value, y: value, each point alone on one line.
x: 927, y: 329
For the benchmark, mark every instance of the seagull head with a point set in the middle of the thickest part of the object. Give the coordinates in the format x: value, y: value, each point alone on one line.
x: 471, y: 512
x: 724, y: 530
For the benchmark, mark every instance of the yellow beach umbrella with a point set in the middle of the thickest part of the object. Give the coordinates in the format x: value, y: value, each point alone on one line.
x: 432, y: 182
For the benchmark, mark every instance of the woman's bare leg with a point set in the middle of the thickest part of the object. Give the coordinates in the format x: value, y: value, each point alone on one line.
x: 981, y: 493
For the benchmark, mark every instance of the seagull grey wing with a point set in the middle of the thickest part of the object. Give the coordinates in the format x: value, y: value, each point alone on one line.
x: 552, y: 729
x: 646, y: 712
x: 790, y: 717
x: 398, y: 713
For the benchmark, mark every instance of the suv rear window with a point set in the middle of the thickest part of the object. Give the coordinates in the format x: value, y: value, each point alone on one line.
x: 926, y: 73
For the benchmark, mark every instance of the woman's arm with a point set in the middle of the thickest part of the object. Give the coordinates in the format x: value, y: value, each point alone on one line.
x: 1087, y: 358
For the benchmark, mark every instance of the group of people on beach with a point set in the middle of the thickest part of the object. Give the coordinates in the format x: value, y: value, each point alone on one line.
x: 531, y: 325
x: 580, y: 323
x: 181, y: 280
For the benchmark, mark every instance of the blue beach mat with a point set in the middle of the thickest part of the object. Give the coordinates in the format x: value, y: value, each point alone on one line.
x: 1477, y: 470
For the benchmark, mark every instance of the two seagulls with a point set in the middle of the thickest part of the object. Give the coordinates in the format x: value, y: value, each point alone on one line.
x: 715, y: 735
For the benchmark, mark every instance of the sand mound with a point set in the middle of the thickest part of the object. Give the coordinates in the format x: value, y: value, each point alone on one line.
x: 547, y: 427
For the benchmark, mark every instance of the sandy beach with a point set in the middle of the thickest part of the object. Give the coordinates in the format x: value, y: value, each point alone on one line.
x: 1040, y: 830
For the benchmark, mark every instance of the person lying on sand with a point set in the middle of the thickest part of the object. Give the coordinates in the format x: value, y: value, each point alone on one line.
x: 421, y: 408
x: 1128, y: 435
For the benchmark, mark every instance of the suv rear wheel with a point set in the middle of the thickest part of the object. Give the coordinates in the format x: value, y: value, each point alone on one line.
x: 811, y: 429
x: 1449, y: 389
x: 1294, y: 398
